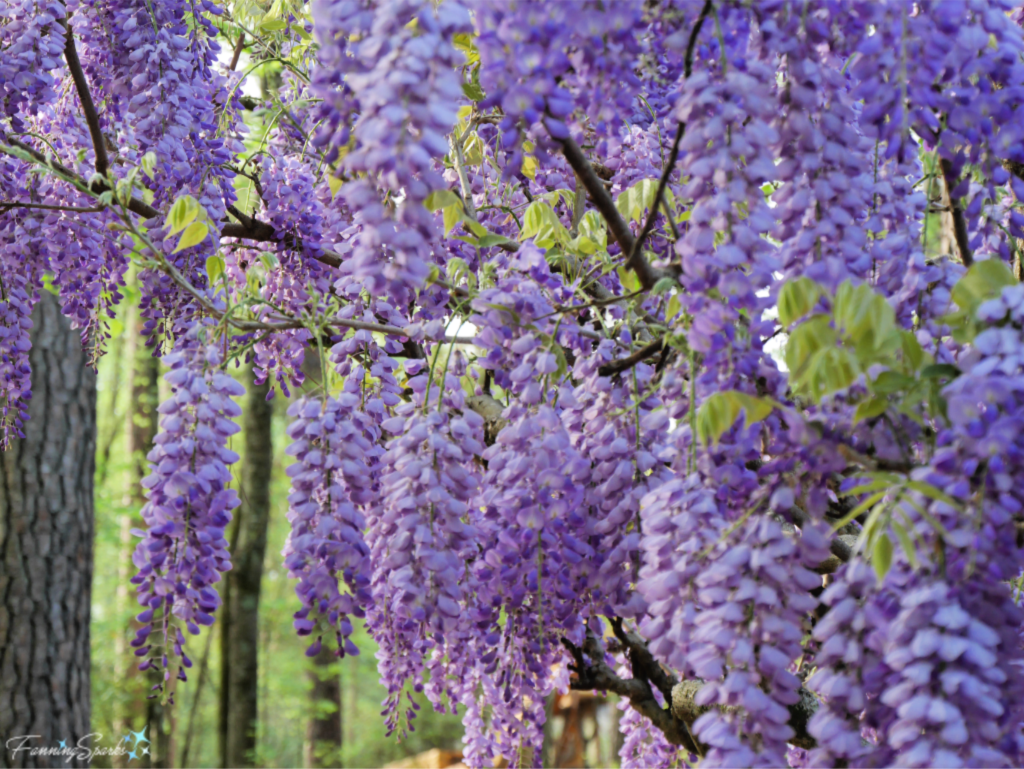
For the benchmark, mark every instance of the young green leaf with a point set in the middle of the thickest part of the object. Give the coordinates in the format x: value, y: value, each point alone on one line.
x: 881, y: 557
x: 796, y: 299
x: 193, y: 235
x: 214, y: 268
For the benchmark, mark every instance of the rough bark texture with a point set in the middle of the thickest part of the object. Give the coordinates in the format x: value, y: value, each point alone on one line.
x: 46, y: 536
x: 241, y: 631
x: 323, y: 737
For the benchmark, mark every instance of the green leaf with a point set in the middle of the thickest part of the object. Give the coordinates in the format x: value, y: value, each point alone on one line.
x: 439, y: 199
x: 530, y: 167
x: 881, y: 557
x: 334, y: 183
x: 473, y: 153
x: 632, y: 203
x: 868, y: 320
x: 870, y: 408
x: 863, y: 507
x: 466, y: 43
x: 891, y: 382
x: 451, y: 215
x: 914, y: 355
x: 674, y: 307
x: 933, y: 492
x: 628, y: 279
x: 905, y: 542
x: 541, y: 223
x: 476, y: 228
x: 828, y: 371
x: 663, y: 285
x: 719, y: 412
x: 592, y: 226
x: 796, y: 299
x: 806, y: 339
x: 982, y: 281
x: 194, y: 234
x: 472, y: 89
x: 183, y: 212
x: 940, y: 371
x: 273, y: 25
x: 214, y: 268
x: 148, y: 164
x: 270, y: 262
x: 490, y: 239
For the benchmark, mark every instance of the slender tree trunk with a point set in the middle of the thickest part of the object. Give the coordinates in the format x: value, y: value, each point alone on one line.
x: 240, y: 634
x: 141, y: 427
x: 323, y: 736
x: 325, y: 732
x: 46, y: 536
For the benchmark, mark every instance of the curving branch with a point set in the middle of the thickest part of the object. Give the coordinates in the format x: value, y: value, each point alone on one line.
x: 85, y: 97
x: 635, y: 259
x: 592, y: 672
x: 624, y: 364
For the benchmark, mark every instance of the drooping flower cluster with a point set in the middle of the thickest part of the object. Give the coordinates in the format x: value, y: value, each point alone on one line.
x: 189, y: 502
x: 604, y: 446
x: 331, y: 482
x: 32, y: 41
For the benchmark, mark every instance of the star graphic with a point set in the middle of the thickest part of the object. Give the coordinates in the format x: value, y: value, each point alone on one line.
x: 140, y: 736
x: 145, y: 751
x: 63, y: 743
x: 126, y: 738
x: 132, y: 755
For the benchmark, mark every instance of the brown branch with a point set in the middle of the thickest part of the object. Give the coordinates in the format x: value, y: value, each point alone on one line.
x: 686, y: 710
x: 88, y: 107
x: 624, y: 364
x: 636, y: 260
x: 596, y: 674
x: 6, y: 205
x: 647, y: 275
x: 638, y: 244
x: 956, y: 209
x: 641, y: 660
x: 237, y: 53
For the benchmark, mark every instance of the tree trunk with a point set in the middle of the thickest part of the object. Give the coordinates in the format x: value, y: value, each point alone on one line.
x: 240, y: 633
x: 140, y: 431
x: 46, y: 536
x: 323, y: 737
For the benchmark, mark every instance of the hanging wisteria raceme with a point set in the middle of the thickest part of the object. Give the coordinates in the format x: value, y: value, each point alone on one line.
x: 422, y: 538
x: 408, y: 59
x: 32, y: 40
x: 669, y: 349
x: 325, y: 550
x: 189, y: 502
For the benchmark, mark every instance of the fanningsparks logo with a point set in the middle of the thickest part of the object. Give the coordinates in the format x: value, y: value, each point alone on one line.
x: 84, y: 750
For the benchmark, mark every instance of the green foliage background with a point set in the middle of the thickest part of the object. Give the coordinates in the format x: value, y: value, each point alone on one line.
x: 285, y: 705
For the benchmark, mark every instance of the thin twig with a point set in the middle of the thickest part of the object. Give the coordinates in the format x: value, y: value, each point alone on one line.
x: 6, y: 205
